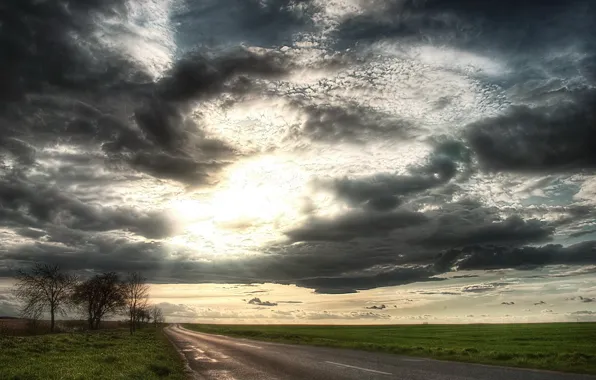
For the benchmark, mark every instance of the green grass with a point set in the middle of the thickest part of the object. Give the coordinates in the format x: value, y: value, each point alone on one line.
x: 112, y: 354
x: 569, y: 347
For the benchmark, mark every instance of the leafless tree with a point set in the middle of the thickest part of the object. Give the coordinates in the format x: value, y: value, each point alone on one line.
x: 99, y: 296
x: 157, y: 315
x: 44, y: 288
x: 142, y: 316
x: 136, y: 295
x: 33, y: 312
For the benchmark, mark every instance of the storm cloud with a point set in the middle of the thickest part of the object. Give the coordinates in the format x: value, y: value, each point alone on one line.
x: 384, y: 192
x: 350, y: 147
x: 358, y: 224
x: 550, y: 139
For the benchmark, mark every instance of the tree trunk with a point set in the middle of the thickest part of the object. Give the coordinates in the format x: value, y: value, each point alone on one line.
x: 52, y: 321
x: 90, y: 316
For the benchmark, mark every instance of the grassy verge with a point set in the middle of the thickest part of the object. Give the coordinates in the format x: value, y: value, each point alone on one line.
x: 100, y: 355
x: 569, y: 347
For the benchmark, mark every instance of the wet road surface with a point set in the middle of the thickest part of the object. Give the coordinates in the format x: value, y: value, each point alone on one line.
x: 216, y: 357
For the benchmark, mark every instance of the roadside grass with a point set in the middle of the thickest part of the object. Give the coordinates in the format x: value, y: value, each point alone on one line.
x: 567, y: 347
x: 111, y: 354
x: 24, y: 327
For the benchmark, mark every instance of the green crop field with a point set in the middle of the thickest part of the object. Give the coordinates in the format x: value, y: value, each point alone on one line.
x: 569, y: 347
x: 112, y: 354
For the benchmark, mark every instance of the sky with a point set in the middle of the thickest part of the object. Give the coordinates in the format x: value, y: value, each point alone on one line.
x: 306, y: 161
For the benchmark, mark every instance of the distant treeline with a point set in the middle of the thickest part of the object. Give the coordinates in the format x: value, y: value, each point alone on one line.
x: 45, y: 288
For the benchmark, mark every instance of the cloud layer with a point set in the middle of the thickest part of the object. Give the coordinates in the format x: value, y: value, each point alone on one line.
x: 331, y: 145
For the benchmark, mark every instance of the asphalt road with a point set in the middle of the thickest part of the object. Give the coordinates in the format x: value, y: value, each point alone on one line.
x: 216, y: 357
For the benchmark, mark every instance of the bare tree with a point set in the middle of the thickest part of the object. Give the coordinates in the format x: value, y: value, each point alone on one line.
x: 157, y: 315
x: 33, y: 312
x: 99, y: 296
x: 142, y: 316
x: 44, y: 288
x: 136, y: 295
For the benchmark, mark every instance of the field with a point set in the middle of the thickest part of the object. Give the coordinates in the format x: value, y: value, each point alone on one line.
x: 108, y: 354
x: 569, y: 347
x: 22, y: 327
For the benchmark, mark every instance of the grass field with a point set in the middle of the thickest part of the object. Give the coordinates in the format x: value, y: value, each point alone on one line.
x: 569, y: 347
x: 111, y: 354
x: 23, y: 327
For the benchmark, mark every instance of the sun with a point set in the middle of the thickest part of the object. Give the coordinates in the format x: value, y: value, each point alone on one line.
x: 255, y: 201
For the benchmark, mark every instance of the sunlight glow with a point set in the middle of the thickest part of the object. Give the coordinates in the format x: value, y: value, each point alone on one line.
x: 257, y: 200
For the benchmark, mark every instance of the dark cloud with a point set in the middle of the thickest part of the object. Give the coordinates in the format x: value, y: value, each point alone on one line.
x: 513, y: 230
x: 363, y: 281
x: 77, y: 115
x: 243, y: 21
x: 86, y: 251
x: 380, y: 192
x: 538, y: 139
x: 468, y: 222
x: 278, y: 12
x: 324, y: 262
x: 510, y: 26
x: 39, y: 49
x: 354, y: 225
x: 582, y: 299
x: 179, y: 168
x: 163, y: 114
x: 334, y: 272
x: 81, y: 93
x: 351, y: 123
x: 36, y: 208
x: 391, y: 20
x: 257, y: 301
x: 479, y: 288
x: 440, y: 293
x: 375, y: 307
x: 385, y: 192
x: 62, y: 86
x: 197, y: 75
x: 497, y: 257
x: 465, y: 276
x: 185, y: 154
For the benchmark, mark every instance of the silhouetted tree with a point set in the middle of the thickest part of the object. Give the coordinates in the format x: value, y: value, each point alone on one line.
x: 99, y: 296
x: 157, y: 315
x: 136, y: 295
x: 143, y: 315
x: 44, y: 288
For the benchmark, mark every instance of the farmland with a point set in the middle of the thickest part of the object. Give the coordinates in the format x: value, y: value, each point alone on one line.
x: 562, y: 346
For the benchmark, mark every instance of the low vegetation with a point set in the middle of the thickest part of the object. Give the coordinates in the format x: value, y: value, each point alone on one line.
x: 109, y: 354
x: 566, y: 347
